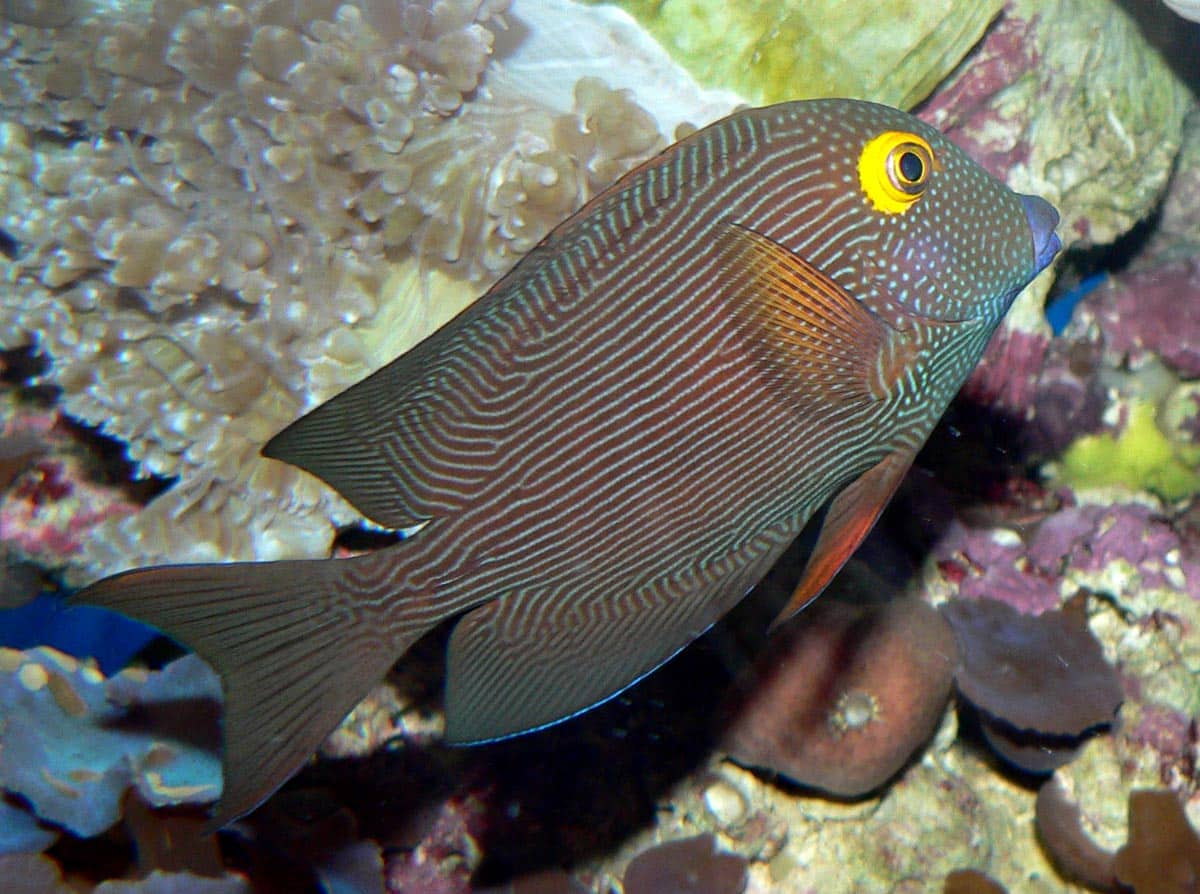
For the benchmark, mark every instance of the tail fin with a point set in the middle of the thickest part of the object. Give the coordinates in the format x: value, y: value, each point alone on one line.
x: 297, y: 644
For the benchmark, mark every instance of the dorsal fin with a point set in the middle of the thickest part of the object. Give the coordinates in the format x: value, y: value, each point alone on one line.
x: 389, y: 443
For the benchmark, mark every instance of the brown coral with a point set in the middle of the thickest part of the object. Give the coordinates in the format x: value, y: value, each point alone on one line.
x: 1040, y: 682
x: 688, y: 866
x: 1074, y: 854
x: 845, y: 694
x: 1162, y: 855
x: 971, y: 881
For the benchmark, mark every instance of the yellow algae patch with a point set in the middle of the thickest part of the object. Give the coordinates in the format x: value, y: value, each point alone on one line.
x: 769, y: 51
x: 175, y: 792
x: 1141, y: 457
x: 63, y: 788
x: 10, y: 660
x: 33, y: 677
x: 70, y: 701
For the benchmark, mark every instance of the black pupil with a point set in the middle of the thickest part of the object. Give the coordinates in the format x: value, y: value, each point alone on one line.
x: 911, y: 167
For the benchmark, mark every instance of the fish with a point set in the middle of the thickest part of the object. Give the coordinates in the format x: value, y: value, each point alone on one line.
x: 608, y: 449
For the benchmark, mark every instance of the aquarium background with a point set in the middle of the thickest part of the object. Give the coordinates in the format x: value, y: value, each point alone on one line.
x: 214, y: 217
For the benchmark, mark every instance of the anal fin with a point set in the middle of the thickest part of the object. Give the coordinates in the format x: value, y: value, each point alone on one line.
x: 531, y: 659
x: 849, y: 519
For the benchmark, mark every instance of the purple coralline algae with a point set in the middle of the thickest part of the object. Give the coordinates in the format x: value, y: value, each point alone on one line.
x: 1026, y: 568
x: 1089, y: 538
x: 52, y: 496
x: 1139, y: 313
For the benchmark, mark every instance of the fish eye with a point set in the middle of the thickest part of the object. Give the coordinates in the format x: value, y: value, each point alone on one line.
x: 907, y: 167
x: 894, y: 170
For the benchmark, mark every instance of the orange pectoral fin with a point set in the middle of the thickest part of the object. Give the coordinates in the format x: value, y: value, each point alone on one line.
x: 811, y: 328
x: 850, y: 518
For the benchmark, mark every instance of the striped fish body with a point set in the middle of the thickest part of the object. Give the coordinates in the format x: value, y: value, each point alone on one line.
x: 617, y: 440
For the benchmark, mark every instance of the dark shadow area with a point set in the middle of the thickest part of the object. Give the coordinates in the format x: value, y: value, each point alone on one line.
x: 1175, y: 38
x: 577, y: 790
x: 194, y: 722
x: 1077, y: 265
x: 360, y: 538
x: 970, y: 734
x: 9, y: 247
x: 109, y: 463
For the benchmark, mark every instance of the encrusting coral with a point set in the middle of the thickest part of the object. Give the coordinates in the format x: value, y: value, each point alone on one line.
x: 1161, y: 854
x: 843, y: 695
x: 1040, y: 682
x: 216, y: 215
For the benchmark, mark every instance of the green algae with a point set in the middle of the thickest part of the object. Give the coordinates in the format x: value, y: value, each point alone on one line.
x: 1141, y: 457
x: 769, y: 51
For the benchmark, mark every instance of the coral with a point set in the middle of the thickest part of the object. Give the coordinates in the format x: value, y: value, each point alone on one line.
x: 1138, y: 313
x: 1068, y: 100
x: 768, y: 51
x: 20, y: 831
x: 55, y: 493
x: 688, y: 866
x: 1044, y: 673
x: 233, y: 211
x: 970, y: 881
x: 1123, y: 547
x: 1075, y: 855
x: 1148, y: 359
x: 1176, y: 235
x: 844, y: 695
x: 32, y: 874
x: 992, y: 563
x: 1049, y: 391
x: 684, y: 866
x: 1162, y: 855
x: 17, y: 453
x: 72, y: 743
x: 1040, y: 682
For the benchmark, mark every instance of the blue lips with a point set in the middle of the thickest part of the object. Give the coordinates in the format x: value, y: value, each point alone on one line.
x: 1042, y: 221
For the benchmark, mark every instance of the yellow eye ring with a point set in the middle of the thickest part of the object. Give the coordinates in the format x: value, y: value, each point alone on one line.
x: 894, y: 169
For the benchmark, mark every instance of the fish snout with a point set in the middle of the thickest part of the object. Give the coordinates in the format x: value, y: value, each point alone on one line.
x: 1043, y: 218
